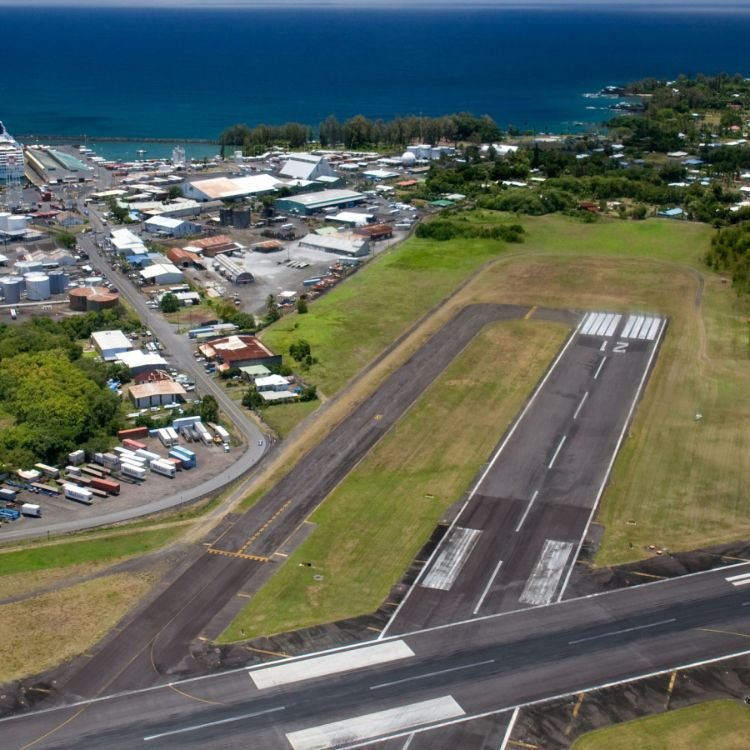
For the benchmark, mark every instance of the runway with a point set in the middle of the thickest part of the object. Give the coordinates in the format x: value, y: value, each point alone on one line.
x: 451, y: 677
x: 517, y: 537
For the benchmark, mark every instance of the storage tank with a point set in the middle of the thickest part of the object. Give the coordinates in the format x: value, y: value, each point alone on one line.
x: 93, y: 281
x: 37, y: 286
x: 28, y: 266
x: 11, y: 287
x: 58, y: 282
x: 16, y: 223
x: 78, y: 298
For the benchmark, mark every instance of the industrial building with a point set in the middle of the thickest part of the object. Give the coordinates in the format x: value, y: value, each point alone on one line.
x: 375, y: 231
x: 183, y: 258
x: 161, y: 273
x: 213, y: 246
x: 156, y: 393
x: 170, y: 227
x: 310, y: 203
x: 306, y: 167
x: 230, y: 188
x: 341, y: 243
x: 352, y: 218
x: 232, y: 271
x: 110, y: 343
x: 139, y: 363
x: 239, y: 351
x: 126, y: 243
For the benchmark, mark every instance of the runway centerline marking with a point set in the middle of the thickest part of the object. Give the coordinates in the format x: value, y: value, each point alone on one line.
x: 196, y: 727
x: 599, y: 369
x: 526, y: 512
x: 426, y: 675
x: 487, y: 587
x: 559, y: 448
x: 580, y: 405
x: 623, y: 630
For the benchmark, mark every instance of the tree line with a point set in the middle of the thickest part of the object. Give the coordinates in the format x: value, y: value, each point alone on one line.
x: 361, y: 132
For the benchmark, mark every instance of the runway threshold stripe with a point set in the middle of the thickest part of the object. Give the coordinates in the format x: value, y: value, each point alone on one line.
x: 451, y: 559
x: 587, y: 321
x: 629, y: 323
x: 604, y: 324
x: 613, y: 325
x: 542, y: 583
x: 738, y: 577
x: 653, y: 329
x: 369, y: 726
x: 322, y: 666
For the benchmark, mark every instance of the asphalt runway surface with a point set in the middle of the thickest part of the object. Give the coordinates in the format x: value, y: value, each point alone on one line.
x: 518, y: 535
x: 155, y: 644
x: 459, y: 676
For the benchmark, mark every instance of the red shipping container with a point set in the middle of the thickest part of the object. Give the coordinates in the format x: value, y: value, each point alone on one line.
x: 133, y: 445
x: 133, y: 432
x: 108, y: 485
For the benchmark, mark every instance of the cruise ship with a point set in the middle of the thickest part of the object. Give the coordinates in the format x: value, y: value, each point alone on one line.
x: 11, y: 156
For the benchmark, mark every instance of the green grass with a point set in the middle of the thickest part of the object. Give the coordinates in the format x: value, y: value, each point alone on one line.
x: 373, y: 524
x: 718, y: 725
x: 347, y: 327
x: 283, y: 418
x: 103, y: 549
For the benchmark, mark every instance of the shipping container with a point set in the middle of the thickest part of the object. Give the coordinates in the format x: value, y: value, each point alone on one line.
x: 73, y: 492
x: 108, y: 485
x: 173, y: 435
x: 110, y: 460
x: 182, y: 422
x: 77, y: 457
x: 220, y: 431
x: 44, y: 488
x: 7, y: 495
x: 165, y: 437
x: 31, y: 509
x: 185, y: 461
x: 49, y: 471
x: 133, y: 432
x: 9, y: 514
x: 73, y: 471
x: 92, y: 472
x: 163, y: 467
x: 204, y: 433
x: 134, y: 445
x: 132, y: 471
x: 147, y: 456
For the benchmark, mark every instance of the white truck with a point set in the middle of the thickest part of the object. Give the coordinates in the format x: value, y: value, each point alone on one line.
x: 31, y: 509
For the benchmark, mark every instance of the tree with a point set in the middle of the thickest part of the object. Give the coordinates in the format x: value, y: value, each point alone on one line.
x: 169, y: 303
x: 309, y: 393
x: 302, y: 304
x: 299, y: 350
x: 272, y: 310
x: 67, y: 240
x: 252, y: 399
x: 174, y: 193
x: 209, y: 409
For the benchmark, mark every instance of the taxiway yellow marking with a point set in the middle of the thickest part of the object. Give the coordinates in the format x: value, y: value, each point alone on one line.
x: 54, y: 729
x: 266, y: 525
x: 268, y: 653
x: 724, y: 632
x: 241, y: 555
x: 196, y: 698
x: 245, y: 596
x: 518, y: 743
x: 577, y: 707
x: 374, y: 630
x: 280, y: 554
x: 530, y: 312
x: 670, y: 688
x: 647, y: 575
x: 378, y: 417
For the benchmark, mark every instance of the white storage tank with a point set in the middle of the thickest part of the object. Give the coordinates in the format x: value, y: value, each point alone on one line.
x: 58, y: 282
x: 16, y: 223
x: 11, y: 287
x: 93, y: 281
x: 37, y: 286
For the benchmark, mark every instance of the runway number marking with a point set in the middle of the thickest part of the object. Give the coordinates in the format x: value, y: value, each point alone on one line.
x: 620, y: 347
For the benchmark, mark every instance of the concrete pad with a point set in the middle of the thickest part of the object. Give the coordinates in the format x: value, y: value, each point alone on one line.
x: 321, y: 666
x: 376, y: 724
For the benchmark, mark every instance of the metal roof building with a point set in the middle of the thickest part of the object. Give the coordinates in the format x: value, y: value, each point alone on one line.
x: 156, y: 393
x: 161, y: 273
x: 340, y: 243
x: 306, y: 167
x: 166, y: 225
x: 310, y: 203
x: 234, y: 272
x: 110, y: 344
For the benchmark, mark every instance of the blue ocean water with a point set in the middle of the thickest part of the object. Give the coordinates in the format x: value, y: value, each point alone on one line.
x: 169, y: 73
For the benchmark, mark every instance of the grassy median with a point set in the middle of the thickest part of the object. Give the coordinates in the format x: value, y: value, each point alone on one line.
x: 374, y: 523
x: 718, y: 725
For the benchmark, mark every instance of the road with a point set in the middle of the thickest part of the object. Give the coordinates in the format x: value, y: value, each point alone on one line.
x: 411, y: 682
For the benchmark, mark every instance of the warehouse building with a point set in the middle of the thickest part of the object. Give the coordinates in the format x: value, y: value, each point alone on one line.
x: 157, y: 393
x: 306, y: 167
x: 139, y: 363
x: 311, y: 203
x: 239, y: 351
x: 232, y: 271
x: 375, y: 231
x: 341, y: 243
x: 170, y: 227
x: 212, y: 246
x: 183, y: 258
x: 230, y: 188
x: 110, y: 343
x: 161, y: 273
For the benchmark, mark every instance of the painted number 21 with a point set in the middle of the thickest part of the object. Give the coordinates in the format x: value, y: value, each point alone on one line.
x: 619, y: 348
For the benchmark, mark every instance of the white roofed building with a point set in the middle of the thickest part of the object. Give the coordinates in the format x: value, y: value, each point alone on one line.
x: 306, y: 167
x: 340, y: 243
x: 228, y: 188
x: 167, y: 226
x: 161, y: 273
x: 110, y: 343
x: 138, y: 362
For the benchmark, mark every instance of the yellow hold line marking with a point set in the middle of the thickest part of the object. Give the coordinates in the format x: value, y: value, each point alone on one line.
x: 724, y: 632
x: 577, y: 706
x: 268, y: 653
x: 531, y: 311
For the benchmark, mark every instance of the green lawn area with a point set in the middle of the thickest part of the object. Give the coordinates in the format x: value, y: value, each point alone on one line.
x: 719, y: 725
x: 101, y: 549
x: 375, y: 522
x: 283, y: 418
x: 351, y: 324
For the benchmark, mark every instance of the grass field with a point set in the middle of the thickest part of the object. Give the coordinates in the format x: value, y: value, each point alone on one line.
x: 41, y: 632
x: 719, y: 725
x: 97, y: 550
x: 283, y: 418
x: 374, y: 523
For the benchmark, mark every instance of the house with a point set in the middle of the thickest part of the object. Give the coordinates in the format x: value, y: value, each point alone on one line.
x: 271, y: 383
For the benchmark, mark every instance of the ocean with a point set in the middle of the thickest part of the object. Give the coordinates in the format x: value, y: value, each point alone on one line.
x: 187, y: 74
